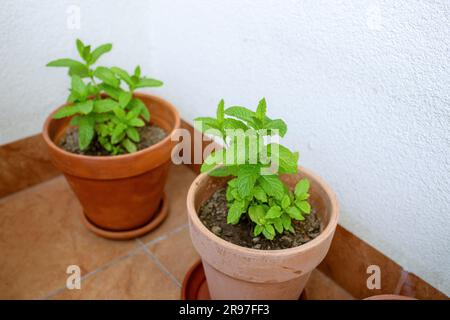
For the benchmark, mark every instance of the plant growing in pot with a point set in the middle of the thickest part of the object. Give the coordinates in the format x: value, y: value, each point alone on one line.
x: 113, y: 145
x: 260, y: 223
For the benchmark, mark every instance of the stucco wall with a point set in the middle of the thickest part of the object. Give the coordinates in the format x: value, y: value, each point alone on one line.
x: 363, y: 86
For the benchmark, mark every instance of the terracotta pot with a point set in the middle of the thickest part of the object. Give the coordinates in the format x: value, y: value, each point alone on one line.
x: 118, y: 192
x: 235, y: 272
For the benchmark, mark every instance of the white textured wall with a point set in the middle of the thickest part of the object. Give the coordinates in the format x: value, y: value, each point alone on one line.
x: 363, y: 86
x: 34, y: 32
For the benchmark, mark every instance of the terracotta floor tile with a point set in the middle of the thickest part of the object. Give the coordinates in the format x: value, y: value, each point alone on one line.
x: 413, y: 286
x: 24, y: 163
x: 347, y: 263
x: 40, y: 235
x: 320, y: 287
x: 179, y: 181
x: 135, y: 277
x: 176, y: 253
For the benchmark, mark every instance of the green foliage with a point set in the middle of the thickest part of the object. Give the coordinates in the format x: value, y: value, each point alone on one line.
x: 99, y: 105
x: 255, y: 190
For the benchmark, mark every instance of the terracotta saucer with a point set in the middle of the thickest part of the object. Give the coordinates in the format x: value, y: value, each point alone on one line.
x: 195, y: 287
x: 130, y: 234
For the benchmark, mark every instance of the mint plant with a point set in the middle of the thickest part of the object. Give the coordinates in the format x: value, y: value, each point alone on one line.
x: 101, y: 106
x: 256, y: 189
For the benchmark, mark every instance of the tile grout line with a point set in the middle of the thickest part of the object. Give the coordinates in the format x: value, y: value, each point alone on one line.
x: 114, y: 261
x: 103, y: 267
x: 159, y: 263
x: 165, y: 235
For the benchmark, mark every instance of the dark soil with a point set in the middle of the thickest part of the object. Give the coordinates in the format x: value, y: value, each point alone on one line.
x: 150, y: 135
x: 213, y: 214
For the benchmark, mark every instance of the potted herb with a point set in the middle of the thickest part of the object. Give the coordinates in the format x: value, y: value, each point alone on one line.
x: 260, y: 223
x: 112, y: 144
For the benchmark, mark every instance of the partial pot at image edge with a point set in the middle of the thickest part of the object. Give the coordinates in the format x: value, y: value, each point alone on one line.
x: 235, y: 272
x: 122, y: 192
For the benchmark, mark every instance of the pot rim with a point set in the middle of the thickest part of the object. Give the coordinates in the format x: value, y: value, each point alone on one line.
x: 329, y: 229
x: 167, y: 139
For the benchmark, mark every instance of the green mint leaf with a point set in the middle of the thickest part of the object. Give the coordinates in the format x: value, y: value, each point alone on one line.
x: 221, y: 111
x: 278, y: 125
x: 80, y: 47
x: 99, y: 51
x: 125, y: 98
x: 204, y: 124
x: 107, y: 76
x: 145, y: 113
x: 105, y: 105
x: 66, y: 62
x: 272, y: 185
x: 294, y: 213
x: 133, y: 134
x: 118, y: 133
x: 137, y: 103
x: 102, y: 117
x: 72, y: 97
x: 256, y: 213
x: 246, y: 180
x: 303, y: 196
x: 123, y: 74
x: 134, y: 112
x: 82, y: 71
x: 273, y: 212
x: 287, y: 160
x: 301, y: 187
x: 304, y: 206
x: 129, y: 146
x: 261, y: 110
x: 137, y: 72
x: 234, y: 124
x: 285, y: 202
x: 74, y: 121
x: 229, y: 194
x: 120, y: 113
x: 86, y: 53
x: 136, y: 122
x: 111, y: 91
x: 79, y: 87
x: 147, y: 82
x: 85, y: 131
x: 259, y: 194
x: 240, y: 113
x: 286, y: 220
x: 257, y: 230
x: 85, y: 107
x: 92, y: 90
x: 223, y: 171
x: 269, y: 232
x: 66, y: 111
x: 235, y: 211
x: 278, y: 224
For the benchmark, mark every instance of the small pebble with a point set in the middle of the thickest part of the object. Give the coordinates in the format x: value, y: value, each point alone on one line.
x: 255, y: 240
x: 257, y: 246
x: 216, y: 230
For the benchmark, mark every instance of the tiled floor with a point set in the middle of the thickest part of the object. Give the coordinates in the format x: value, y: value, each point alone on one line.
x: 41, y: 234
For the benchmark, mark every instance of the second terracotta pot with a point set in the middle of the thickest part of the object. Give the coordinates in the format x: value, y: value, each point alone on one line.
x: 235, y: 272
x: 118, y: 193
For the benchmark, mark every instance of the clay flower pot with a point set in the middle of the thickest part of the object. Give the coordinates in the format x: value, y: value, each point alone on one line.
x: 124, y: 192
x: 235, y: 272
